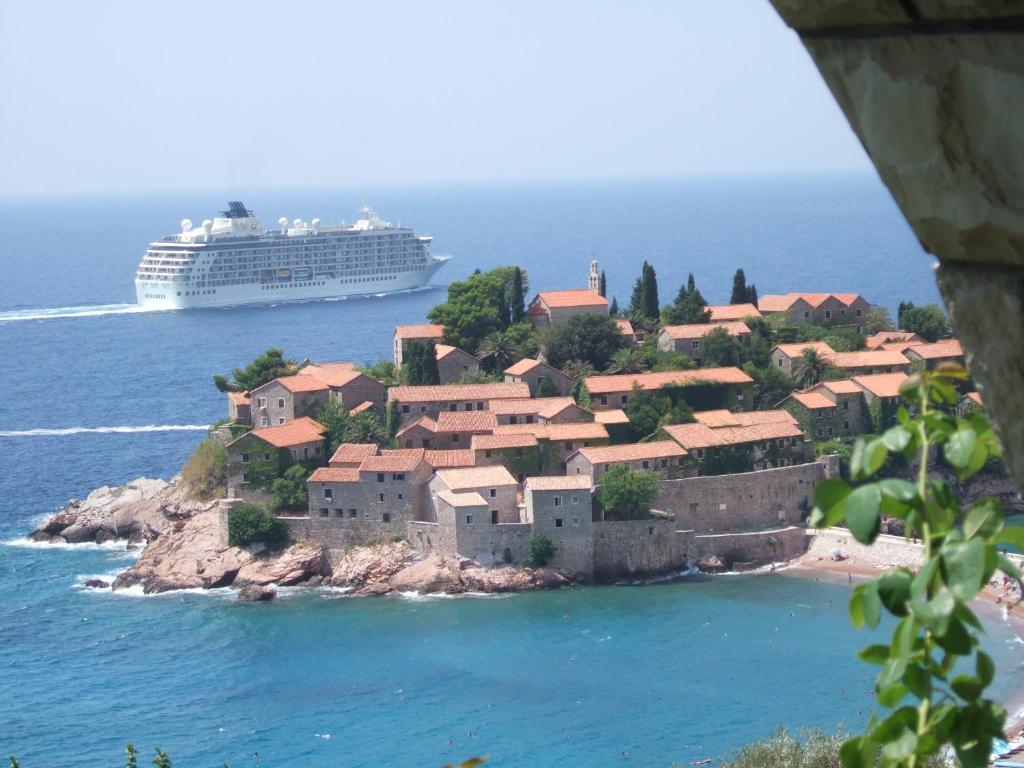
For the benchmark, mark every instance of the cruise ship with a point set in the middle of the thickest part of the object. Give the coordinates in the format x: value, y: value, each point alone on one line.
x: 232, y: 260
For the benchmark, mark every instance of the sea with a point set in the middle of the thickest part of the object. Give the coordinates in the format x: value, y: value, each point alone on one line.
x: 97, y: 392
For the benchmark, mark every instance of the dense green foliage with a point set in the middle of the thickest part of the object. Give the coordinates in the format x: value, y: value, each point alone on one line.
x: 741, y: 292
x: 627, y: 494
x: 364, y: 427
x: 929, y: 322
x: 590, y: 338
x: 721, y: 348
x: 627, y: 360
x: 205, y: 472
x: 289, y: 492
x: 644, y: 302
x: 771, y: 385
x: 267, y: 367
x: 728, y: 460
x: 877, y: 320
x: 650, y: 410
x: 689, y: 306
x: 383, y: 371
x: 547, y: 388
x: 542, y: 549
x: 813, y: 748
x: 251, y: 523
x: 844, y: 338
x: 499, y: 350
x: 933, y: 673
x: 602, y: 284
x: 810, y: 368
x: 419, y: 364
x: 478, y: 306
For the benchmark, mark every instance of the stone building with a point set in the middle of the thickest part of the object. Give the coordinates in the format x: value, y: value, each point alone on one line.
x: 261, y: 455
x: 518, y: 453
x: 727, y: 387
x: 539, y: 410
x: 407, y: 334
x: 689, y: 339
x: 494, y: 485
x: 558, y: 441
x: 554, y: 307
x: 454, y: 363
x: 560, y: 508
x: 785, y: 356
x: 665, y: 457
x: 881, y: 398
x: 421, y: 433
x: 533, y: 372
x: 725, y: 313
x: 826, y: 309
x: 930, y: 356
x: 882, y: 338
x: 869, y: 362
x: 239, y: 408
x: 455, y: 429
x: 308, y: 391
x: 830, y: 409
x: 431, y: 400
x: 721, y: 442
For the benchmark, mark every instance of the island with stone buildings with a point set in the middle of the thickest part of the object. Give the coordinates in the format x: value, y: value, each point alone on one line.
x: 514, y: 445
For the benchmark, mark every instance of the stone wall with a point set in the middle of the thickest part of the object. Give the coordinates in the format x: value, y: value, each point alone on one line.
x: 750, y: 501
x: 360, y: 390
x: 634, y: 548
x: 566, y: 517
x: 428, y: 538
x: 757, y: 547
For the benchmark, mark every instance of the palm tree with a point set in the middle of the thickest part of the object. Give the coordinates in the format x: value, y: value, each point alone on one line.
x: 626, y: 360
x: 365, y: 427
x: 810, y: 368
x: 578, y: 369
x: 500, y: 349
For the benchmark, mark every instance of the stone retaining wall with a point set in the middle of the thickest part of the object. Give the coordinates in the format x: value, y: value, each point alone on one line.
x: 759, y: 548
x: 628, y: 548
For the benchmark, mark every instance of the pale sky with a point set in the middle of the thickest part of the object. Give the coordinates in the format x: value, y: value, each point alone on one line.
x: 142, y: 96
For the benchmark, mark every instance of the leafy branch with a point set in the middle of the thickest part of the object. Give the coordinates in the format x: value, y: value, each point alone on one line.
x: 934, y: 701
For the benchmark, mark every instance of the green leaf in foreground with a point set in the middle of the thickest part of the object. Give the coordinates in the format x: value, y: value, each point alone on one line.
x: 863, y: 513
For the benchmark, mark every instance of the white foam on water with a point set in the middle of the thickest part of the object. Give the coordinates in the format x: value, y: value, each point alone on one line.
x: 119, y: 546
x: 125, y: 430
x: 418, y: 597
x: 98, y: 310
x: 82, y: 578
x: 136, y: 591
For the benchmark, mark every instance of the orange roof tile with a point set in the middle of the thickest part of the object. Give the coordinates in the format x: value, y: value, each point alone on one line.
x: 867, y: 358
x: 424, y: 422
x: 624, y: 327
x: 584, y: 431
x: 695, y: 436
x: 423, y: 331
x: 624, y: 382
x: 294, y: 432
x: 796, y: 349
x: 524, y: 366
x: 558, y: 483
x: 841, y: 387
x: 976, y: 397
x: 352, y: 454
x: 442, y: 351
x: 700, y: 330
x: 363, y: 406
x: 723, y: 418
x: 475, y: 477
x: 722, y: 312
x: 392, y: 461
x: 334, y: 475
x: 448, y: 459
x: 613, y: 416
x: 522, y: 406
x: 813, y: 400
x: 500, y: 442
x: 883, y: 337
x: 780, y: 303
x: 466, y: 421
x: 297, y: 383
x: 240, y: 398
x: 583, y: 297
x: 331, y: 374
x: 609, y: 454
x: 940, y: 350
x: 447, y: 393
x: 881, y: 384
x: 471, y: 499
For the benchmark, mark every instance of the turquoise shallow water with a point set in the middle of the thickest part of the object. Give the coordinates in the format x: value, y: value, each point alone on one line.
x: 667, y: 673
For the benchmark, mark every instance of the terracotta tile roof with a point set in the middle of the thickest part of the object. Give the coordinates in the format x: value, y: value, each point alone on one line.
x: 721, y: 312
x: 555, y: 407
x: 363, y: 406
x: 522, y: 406
x: 442, y: 351
x: 448, y: 459
x: 240, y: 398
x: 466, y: 421
x: 334, y: 475
x: 294, y: 432
x: 723, y: 418
x: 500, y: 442
x: 774, y: 303
x: 297, y: 383
x: 403, y: 462
x: 976, y: 397
x: 558, y: 483
x: 458, y: 500
x: 795, y: 350
x: 867, y: 358
x: 780, y: 303
x: 841, y: 387
x: 352, y: 454
x: 624, y: 382
x: 695, y: 436
x: 475, y: 477
x: 899, y: 346
x: 523, y: 367
x: 700, y: 330
x: 613, y: 416
x: 583, y: 297
x: 625, y: 327
x: 331, y: 374
x: 425, y: 422
x: 424, y: 331
x: 584, y: 431
x: 883, y: 337
x: 940, y: 350
x: 447, y: 393
x: 609, y: 454
x: 813, y: 400
x: 881, y: 384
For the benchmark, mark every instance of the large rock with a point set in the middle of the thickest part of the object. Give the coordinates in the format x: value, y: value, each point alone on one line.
x: 297, y: 564
x: 254, y: 593
x: 428, y: 576
x: 373, y: 564
x: 479, y: 579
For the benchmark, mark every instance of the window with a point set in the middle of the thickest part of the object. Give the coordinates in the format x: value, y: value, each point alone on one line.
x: 328, y: 494
x: 493, y: 492
x: 380, y: 477
x: 487, y: 454
x: 352, y: 513
x: 821, y: 432
x: 468, y: 407
x: 830, y: 431
x: 385, y: 517
x: 558, y: 501
x: 455, y: 437
x: 494, y: 517
x: 846, y: 425
x: 568, y: 446
x: 305, y: 453
x: 696, y: 343
x: 828, y: 314
x: 722, y: 507
x: 623, y: 399
x: 339, y: 513
x: 280, y: 421
x: 400, y: 497
x: 453, y: 406
x: 245, y: 477
x: 405, y: 409
x: 575, y: 499
x: 575, y: 522
x: 857, y: 313
x: 604, y: 400
x: 398, y: 476
x: 645, y: 464
x: 513, y: 420
x: 280, y: 402
x: 261, y: 402
x: 780, y: 362
x: 295, y: 453
x: 245, y: 458
x: 479, y: 406
x: 846, y: 405
x: 264, y: 421
x: 519, y: 453
x: 380, y: 497
x: 842, y: 311
x: 469, y: 519
x: 806, y: 315
x: 324, y: 512
x: 558, y: 522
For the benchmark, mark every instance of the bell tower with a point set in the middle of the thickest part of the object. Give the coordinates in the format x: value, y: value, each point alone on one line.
x: 594, y: 281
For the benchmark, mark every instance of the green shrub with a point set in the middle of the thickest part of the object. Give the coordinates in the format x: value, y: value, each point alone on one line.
x: 205, y: 472
x: 507, y: 555
x: 290, y: 490
x: 251, y: 523
x: 812, y: 749
x: 626, y: 494
x: 542, y: 549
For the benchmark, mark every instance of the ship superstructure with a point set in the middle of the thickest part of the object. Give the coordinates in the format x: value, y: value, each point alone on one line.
x: 232, y: 260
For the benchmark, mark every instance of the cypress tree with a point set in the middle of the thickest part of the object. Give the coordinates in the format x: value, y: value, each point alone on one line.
x: 602, y: 286
x: 650, y: 306
x: 517, y: 310
x: 431, y: 374
x: 504, y: 309
x: 613, y: 310
x: 637, y: 299
x: 752, y: 294
x: 739, y: 288
x: 691, y: 284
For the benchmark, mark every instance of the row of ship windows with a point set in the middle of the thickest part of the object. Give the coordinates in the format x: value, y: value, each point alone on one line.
x: 156, y: 295
x: 304, y: 285
x: 291, y: 285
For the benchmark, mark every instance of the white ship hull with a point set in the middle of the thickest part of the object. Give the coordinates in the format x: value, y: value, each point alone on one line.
x: 238, y: 295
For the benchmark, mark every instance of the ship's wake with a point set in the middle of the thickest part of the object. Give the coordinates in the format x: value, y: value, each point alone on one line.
x: 97, y: 310
x: 103, y: 430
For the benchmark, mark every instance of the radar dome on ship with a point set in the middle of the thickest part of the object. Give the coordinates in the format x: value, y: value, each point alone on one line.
x: 186, y: 225
x: 316, y: 223
x: 296, y: 223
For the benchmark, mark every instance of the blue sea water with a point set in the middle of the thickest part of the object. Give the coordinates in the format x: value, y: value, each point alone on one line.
x: 665, y: 673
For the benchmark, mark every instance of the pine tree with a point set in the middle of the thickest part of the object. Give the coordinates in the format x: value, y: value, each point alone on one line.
x: 613, y: 310
x: 517, y: 310
x: 739, y: 288
x: 602, y: 285
x: 691, y: 284
x: 637, y: 299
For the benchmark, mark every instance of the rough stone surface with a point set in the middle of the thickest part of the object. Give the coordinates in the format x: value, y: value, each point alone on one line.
x: 373, y: 564
x: 254, y: 593
x: 298, y: 563
x: 97, y: 584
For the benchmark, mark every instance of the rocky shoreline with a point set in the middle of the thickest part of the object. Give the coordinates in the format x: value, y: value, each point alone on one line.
x: 182, y: 548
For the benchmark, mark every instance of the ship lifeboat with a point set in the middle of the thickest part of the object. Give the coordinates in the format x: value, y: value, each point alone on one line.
x: 284, y: 273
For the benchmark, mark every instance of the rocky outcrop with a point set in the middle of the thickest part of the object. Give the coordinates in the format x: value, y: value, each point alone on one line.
x: 254, y: 593
x: 297, y: 564
x: 372, y: 564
